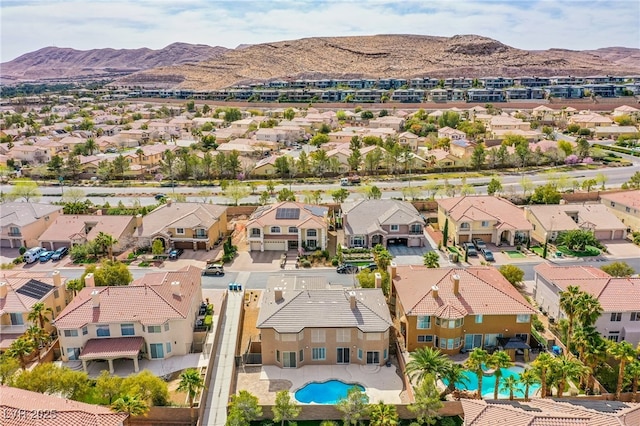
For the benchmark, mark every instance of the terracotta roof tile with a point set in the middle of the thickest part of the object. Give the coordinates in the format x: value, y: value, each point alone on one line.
x: 112, y: 347
x: 485, y: 207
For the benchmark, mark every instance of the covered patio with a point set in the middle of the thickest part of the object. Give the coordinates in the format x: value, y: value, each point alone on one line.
x: 513, y: 345
x: 110, y: 349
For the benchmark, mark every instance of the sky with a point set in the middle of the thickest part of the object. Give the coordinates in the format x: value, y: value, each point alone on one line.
x: 28, y: 25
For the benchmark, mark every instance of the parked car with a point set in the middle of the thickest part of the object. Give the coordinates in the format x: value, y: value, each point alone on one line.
x: 33, y: 254
x: 487, y: 254
x: 175, y: 253
x: 347, y: 269
x: 470, y: 249
x: 45, y: 256
x: 159, y: 197
x: 213, y: 269
x: 479, y: 244
x: 371, y: 267
x: 60, y: 253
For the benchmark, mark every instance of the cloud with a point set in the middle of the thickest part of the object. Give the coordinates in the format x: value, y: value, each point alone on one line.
x: 86, y: 24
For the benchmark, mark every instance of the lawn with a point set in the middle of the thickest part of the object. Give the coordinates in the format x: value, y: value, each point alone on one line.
x: 359, y: 263
x: 514, y: 254
x: 589, y: 251
x: 538, y: 250
x: 454, y: 250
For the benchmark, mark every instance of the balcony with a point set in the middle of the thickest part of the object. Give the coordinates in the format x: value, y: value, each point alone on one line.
x: 13, y: 329
x: 15, y: 234
x: 201, y: 237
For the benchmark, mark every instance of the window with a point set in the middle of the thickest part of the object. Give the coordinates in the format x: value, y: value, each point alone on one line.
x: 311, y: 244
x: 255, y: 232
x: 424, y: 323
x: 168, y: 347
x: 16, y: 318
x: 472, y: 341
x: 155, y: 329
x: 478, y: 319
x: 451, y: 323
x: 523, y: 318
x: 616, y: 316
x: 485, y: 223
x: 464, y: 225
x: 312, y: 233
x: 71, y: 333
x: 157, y: 350
x: 289, y: 337
x: 85, y: 330
x: 277, y: 356
x: 635, y: 316
x: 166, y: 326
x: 425, y: 338
x: 628, y: 209
x: 343, y: 355
x: 180, y: 231
x: 73, y: 353
x: 301, y: 355
x: 373, y: 357
x: 394, y: 228
x: 318, y: 354
x: 56, y: 293
x: 275, y: 229
x: 416, y: 229
x: 201, y: 233
x: 293, y: 230
x: 343, y: 335
x: 14, y: 230
x: 443, y: 343
x: 127, y: 330
x: 317, y: 336
x: 359, y: 353
x: 523, y: 336
x: 357, y: 241
x: 103, y: 331
x: 491, y: 339
x: 384, y: 356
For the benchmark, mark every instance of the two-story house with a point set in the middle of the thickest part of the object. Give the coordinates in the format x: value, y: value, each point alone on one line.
x: 22, y: 223
x: 19, y: 291
x: 620, y: 319
x: 492, y: 219
x: 297, y: 329
x: 458, y: 309
x: 626, y: 206
x: 153, y: 317
x: 288, y: 225
x: 196, y: 226
x: 452, y: 134
x: 367, y: 223
x: 69, y: 230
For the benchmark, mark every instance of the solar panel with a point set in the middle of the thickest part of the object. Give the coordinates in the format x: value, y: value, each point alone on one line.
x: 602, y: 406
x: 284, y: 213
x: 516, y: 404
x: 35, y: 289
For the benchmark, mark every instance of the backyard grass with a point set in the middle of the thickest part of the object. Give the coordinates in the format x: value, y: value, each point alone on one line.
x: 538, y: 250
x: 589, y: 251
x: 514, y: 254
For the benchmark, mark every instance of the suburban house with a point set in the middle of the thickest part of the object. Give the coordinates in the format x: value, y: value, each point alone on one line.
x: 196, y: 226
x: 626, y: 206
x: 153, y: 317
x: 452, y: 134
x: 492, y: 219
x: 69, y: 230
x: 458, y: 309
x: 618, y: 297
x: 550, y: 411
x: 287, y: 225
x: 266, y: 166
x: 590, y: 121
x: 19, y: 291
x: 614, y: 132
x: 367, y: 223
x: 409, y: 139
x: 296, y: 330
x: 549, y: 220
x: 22, y: 223
x: 461, y: 148
x: 17, y: 406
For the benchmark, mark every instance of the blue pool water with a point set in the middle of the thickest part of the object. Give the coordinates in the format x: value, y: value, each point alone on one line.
x: 489, y: 382
x: 324, y: 393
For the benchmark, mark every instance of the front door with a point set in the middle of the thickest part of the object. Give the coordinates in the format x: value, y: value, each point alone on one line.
x: 343, y: 356
x: 289, y: 359
x: 293, y: 245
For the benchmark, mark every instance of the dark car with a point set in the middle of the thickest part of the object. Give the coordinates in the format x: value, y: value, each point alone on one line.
x: 479, y: 244
x: 45, y: 256
x: 60, y: 253
x: 175, y: 253
x: 371, y: 267
x: 159, y: 197
x: 215, y: 269
x: 470, y: 249
x: 347, y: 269
x: 488, y: 255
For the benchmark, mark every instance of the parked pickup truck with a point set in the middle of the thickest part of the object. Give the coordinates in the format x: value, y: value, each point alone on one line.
x: 350, y: 181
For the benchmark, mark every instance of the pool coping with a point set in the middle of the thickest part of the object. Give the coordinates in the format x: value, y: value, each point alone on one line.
x: 293, y: 392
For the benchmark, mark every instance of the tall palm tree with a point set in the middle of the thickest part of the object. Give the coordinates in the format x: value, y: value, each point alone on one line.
x: 106, y: 243
x: 140, y: 154
x: 528, y: 379
x: 453, y: 373
x: 584, y: 337
x: 382, y: 414
x: 633, y: 373
x: 477, y: 358
x: 589, y: 309
x: 191, y: 382
x: 567, y: 369
x: 499, y: 360
x: 21, y: 348
x: 510, y: 384
x: 39, y: 312
x: 569, y: 303
x: 426, y: 361
x: 37, y: 336
x: 623, y: 352
x: 132, y: 405
x: 90, y: 146
x: 595, y: 355
x: 75, y: 285
x: 542, y: 368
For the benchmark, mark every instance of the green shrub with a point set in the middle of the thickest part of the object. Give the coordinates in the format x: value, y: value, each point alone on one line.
x: 131, y: 256
x: 22, y: 250
x: 305, y: 263
x: 210, y: 309
x: 335, y: 261
x: 144, y: 264
x: 18, y: 260
x: 537, y: 324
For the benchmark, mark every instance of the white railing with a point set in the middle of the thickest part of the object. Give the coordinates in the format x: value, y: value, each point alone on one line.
x: 13, y: 329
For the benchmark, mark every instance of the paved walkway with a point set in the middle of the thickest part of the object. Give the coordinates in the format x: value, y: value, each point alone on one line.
x: 215, y: 412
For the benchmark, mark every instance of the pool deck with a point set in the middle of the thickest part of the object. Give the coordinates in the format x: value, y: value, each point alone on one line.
x: 380, y: 382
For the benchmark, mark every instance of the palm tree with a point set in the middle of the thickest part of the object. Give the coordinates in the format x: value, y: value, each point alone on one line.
x: 528, y: 379
x: 585, y: 336
x: 426, y: 361
x: 132, y: 405
x: 37, y: 336
x: 589, y: 309
x: 623, y: 352
x: 106, y: 243
x: 75, y: 285
x: 595, y: 355
x: 510, y: 384
x: 90, y: 146
x: 567, y: 369
x: 140, y: 154
x: 21, y: 348
x: 382, y: 414
x: 39, y: 312
x: 191, y: 382
x: 542, y: 368
x: 477, y: 358
x: 499, y: 360
x: 569, y: 303
x: 633, y: 372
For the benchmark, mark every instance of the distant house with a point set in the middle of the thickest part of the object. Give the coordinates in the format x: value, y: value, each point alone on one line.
x: 266, y: 166
x: 590, y: 121
x: 153, y: 317
x: 70, y: 230
x: 626, y: 206
x: 409, y: 139
x: 367, y: 223
x: 355, y: 332
x: 452, y: 134
x: 614, y: 132
x: 287, y: 225
x: 196, y: 226
x: 461, y: 148
x: 23, y: 223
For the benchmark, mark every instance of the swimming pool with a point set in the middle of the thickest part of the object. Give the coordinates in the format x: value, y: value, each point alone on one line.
x: 329, y: 392
x: 489, y: 382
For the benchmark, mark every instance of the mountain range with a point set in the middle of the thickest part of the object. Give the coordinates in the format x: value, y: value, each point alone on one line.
x: 202, y: 67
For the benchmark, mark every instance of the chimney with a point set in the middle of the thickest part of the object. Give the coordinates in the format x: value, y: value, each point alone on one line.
x: 4, y: 286
x: 95, y: 297
x: 378, y: 280
x: 89, y: 281
x: 169, y: 201
x: 393, y: 269
x: 434, y: 291
x: 57, y: 279
x: 138, y: 221
x: 456, y: 283
x: 176, y: 288
x: 277, y: 292
x: 352, y: 299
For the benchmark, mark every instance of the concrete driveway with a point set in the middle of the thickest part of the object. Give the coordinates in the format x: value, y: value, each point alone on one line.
x: 404, y: 255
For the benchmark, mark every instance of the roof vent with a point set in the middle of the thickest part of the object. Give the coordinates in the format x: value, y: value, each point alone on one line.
x: 277, y: 293
x: 352, y: 299
x: 434, y: 291
x: 176, y: 288
x: 456, y: 283
x: 95, y: 298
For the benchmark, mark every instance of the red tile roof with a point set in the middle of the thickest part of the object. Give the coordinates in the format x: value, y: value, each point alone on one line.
x: 485, y: 207
x: 112, y: 347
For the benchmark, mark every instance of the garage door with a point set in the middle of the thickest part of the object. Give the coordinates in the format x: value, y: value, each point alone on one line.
x: 184, y: 245
x: 275, y: 245
x: 58, y: 244
x: 484, y: 237
x: 255, y: 246
x: 463, y: 238
x: 5, y: 243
